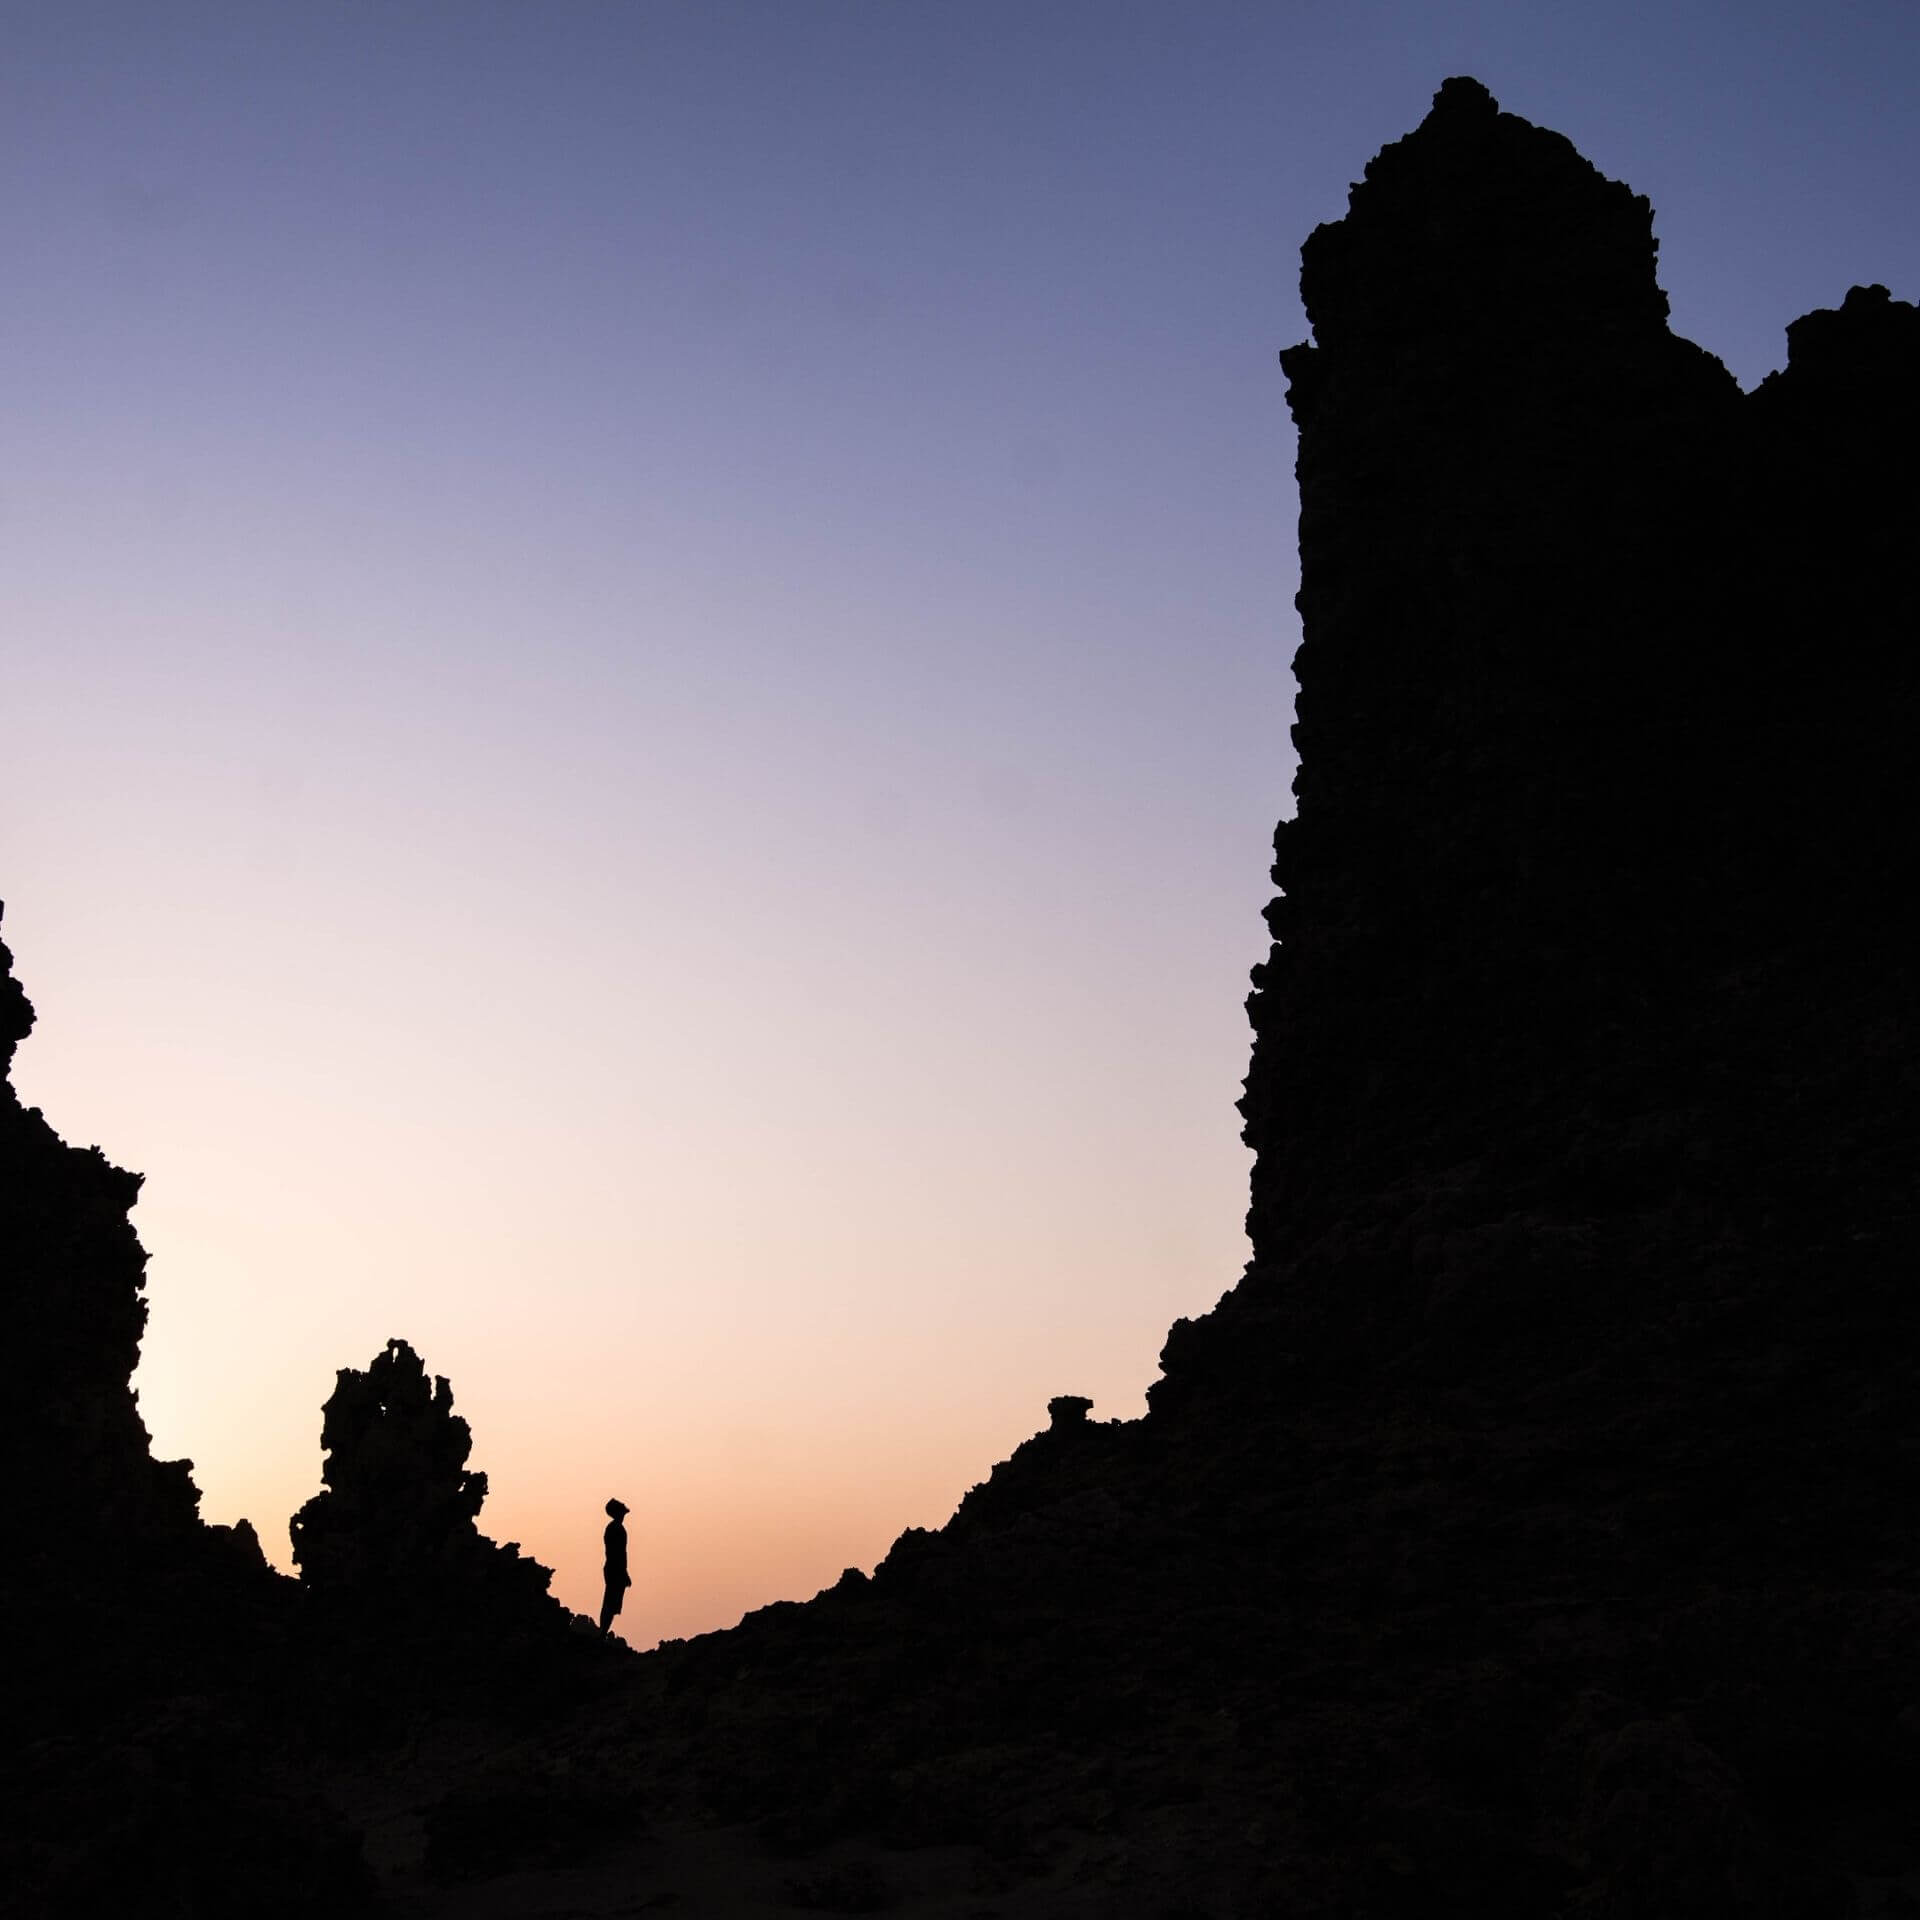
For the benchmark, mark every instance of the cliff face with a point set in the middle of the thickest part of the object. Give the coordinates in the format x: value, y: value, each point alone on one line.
x: 149, y: 1655
x: 82, y: 1491
x: 1604, y: 691
x: 1512, y: 490
x: 1530, y: 1530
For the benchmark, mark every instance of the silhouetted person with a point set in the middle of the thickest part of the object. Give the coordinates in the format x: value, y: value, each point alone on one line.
x: 618, y: 1579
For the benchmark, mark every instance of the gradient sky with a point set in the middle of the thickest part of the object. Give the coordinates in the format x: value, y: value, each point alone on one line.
x: 646, y: 655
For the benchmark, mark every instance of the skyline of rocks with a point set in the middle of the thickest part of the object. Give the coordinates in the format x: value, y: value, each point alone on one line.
x: 1528, y: 1531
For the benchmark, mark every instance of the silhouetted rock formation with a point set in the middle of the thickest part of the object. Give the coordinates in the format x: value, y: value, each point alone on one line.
x: 394, y: 1531
x: 1530, y: 1531
x: 1605, y: 696
x: 413, y: 1614
x: 82, y: 1492
x: 165, y: 1685
x: 139, y: 1642
x: 1514, y: 554
x: 88, y: 1515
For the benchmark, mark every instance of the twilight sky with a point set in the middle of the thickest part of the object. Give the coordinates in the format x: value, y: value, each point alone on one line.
x: 646, y: 650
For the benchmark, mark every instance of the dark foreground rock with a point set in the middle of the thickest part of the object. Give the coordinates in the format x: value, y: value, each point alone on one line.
x: 1531, y: 1530
x: 137, y: 1774
x: 412, y: 1610
x: 176, y: 1714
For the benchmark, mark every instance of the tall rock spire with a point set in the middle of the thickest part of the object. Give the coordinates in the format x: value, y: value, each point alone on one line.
x: 1503, y: 459
x: 1563, y: 767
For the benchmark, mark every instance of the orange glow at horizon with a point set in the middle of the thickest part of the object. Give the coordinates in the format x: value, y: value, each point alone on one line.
x: 780, y: 1344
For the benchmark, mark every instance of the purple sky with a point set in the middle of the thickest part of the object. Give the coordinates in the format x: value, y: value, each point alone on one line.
x: 647, y: 664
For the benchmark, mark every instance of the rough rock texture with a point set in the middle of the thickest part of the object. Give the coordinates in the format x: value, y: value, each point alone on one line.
x: 1514, y: 550
x: 413, y: 1616
x: 1604, y: 693
x: 82, y: 1492
x: 1531, y: 1530
x: 87, y: 1513
x: 135, y: 1777
x: 392, y: 1539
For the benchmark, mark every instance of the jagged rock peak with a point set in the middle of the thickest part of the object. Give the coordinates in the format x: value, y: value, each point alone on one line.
x: 1558, y: 577
x: 1870, y: 341
x: 82, y: 1485
x: 1462, y: 94
x: 1498, y: 439
x: 395, y: 1523
x: 16, y: 1010
x: 1479, y: 223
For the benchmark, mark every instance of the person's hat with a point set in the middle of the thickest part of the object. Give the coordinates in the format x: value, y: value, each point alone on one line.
x: 616, y: 1508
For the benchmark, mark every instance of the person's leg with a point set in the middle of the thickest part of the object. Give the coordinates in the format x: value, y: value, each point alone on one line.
x: 608, y: 1608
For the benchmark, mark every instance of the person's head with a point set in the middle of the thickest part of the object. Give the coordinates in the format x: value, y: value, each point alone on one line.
x: 617, y: 1509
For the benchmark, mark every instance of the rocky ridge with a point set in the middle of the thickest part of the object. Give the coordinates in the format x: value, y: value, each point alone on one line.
x: 1528, y: 1530
x: 176, y: 1711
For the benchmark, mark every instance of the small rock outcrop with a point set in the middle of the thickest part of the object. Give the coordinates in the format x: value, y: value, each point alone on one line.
x: 393, y: 1533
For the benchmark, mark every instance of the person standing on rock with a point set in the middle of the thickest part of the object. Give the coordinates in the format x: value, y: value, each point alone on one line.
x: 618, y: 1579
